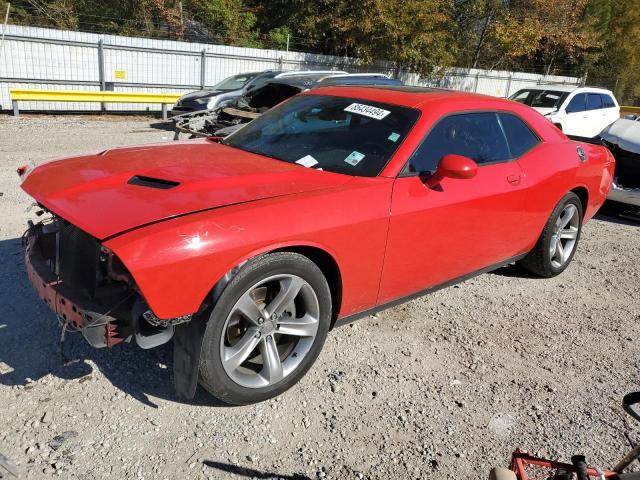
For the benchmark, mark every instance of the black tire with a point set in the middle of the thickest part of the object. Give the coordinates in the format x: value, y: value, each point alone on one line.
x: 538, y: 260
x: 213, y: 376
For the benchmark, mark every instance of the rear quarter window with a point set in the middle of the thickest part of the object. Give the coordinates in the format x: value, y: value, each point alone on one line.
x: 519, y: 136
x: 607, y: 101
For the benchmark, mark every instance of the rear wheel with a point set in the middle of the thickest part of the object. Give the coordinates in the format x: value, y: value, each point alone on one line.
x: 266, y: 330
x: 559, y: 240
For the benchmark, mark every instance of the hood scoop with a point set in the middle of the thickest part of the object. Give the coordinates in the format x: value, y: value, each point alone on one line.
x: 150, y: 182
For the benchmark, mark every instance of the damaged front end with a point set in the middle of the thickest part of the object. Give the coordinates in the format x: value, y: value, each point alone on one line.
x: 223, y: 121
x: 623, y: 139
x: 89, y: 288
x: 626, y: 181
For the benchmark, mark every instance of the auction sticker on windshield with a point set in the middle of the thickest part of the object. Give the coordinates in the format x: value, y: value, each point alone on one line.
x: 354, y: 158
x: 367, y: 111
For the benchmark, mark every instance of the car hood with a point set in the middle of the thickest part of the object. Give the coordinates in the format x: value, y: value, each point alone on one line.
x: 545, y: 111
x: 624, y: 133
x: 200, y: 94
x: 125, y: 188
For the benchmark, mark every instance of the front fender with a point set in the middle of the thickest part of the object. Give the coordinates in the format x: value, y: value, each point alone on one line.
x: 177, y: 262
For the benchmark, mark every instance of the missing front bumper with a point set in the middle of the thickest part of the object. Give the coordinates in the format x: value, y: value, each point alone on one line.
x: 89, y: 289
x: 94, y: 320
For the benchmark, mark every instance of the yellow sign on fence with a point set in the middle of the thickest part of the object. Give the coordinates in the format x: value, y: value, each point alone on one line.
x: 120, y: 74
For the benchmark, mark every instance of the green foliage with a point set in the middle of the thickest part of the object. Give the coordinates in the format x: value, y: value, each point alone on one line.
x: 598, y: 16
x: 279, y: 38
x: 619, y: 65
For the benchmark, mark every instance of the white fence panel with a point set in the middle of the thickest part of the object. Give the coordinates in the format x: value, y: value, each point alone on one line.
x: 45, y: 58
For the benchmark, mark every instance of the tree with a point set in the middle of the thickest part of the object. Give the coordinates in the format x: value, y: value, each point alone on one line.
x: 228, y: 20
x: 598, y: 17
x: 411, y: 34
x: 601, y: 37
x: 475, y: 20
x: 619, y: 66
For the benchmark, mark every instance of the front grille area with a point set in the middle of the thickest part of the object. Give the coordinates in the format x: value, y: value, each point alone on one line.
x: 78, y: 258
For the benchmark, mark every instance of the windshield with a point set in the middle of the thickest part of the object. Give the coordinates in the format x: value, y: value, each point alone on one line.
x: 342, y: 135
x: 540, y: 98
x: 234, y: 83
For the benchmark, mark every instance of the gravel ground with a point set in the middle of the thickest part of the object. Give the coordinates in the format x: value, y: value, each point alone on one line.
x: 445, y: 386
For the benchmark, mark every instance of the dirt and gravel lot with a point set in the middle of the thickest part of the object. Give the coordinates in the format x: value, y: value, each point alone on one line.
x: 443, y: 387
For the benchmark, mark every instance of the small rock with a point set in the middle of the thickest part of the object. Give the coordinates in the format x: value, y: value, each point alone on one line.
x: 59, y: 440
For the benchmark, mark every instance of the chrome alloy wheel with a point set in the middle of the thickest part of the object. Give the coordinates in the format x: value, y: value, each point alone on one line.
x: 269, y: 331
x: 565, y: 235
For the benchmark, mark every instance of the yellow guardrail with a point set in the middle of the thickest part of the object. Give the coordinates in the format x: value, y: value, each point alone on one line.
x: 625, y: 110
x: 19, y: 94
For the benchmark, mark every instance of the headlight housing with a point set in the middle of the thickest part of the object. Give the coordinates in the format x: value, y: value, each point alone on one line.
x: 212, y: 103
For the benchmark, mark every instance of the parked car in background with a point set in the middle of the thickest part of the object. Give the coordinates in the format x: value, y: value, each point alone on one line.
x: 339, y: 202
x: 577, y: 111
x: 228, y: 118
x: 231, y: 88
x: 623, y: 139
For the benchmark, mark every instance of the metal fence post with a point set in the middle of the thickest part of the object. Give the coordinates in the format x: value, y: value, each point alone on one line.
x: 203, y: 72
x: 475, y: 84
x: 101, y: 70
x: 16, y: 111
x: 508, y: 86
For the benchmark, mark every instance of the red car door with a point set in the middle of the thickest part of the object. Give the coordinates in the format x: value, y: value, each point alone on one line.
x: 441, y: 233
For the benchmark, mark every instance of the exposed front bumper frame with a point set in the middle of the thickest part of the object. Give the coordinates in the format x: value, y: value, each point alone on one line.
x: 95, y: 323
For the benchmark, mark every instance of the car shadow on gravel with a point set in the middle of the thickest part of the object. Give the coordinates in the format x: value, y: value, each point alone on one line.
x: 250, y: 472
x: 168, y: 126
x: 514, y: 271
x: 620, y: 220
x: 30, y: 346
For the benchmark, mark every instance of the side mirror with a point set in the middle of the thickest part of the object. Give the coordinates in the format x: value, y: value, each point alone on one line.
x: 453, y: 166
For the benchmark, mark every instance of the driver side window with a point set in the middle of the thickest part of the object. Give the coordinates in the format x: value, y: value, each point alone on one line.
x: 474, y: 135
x: 577, y: 103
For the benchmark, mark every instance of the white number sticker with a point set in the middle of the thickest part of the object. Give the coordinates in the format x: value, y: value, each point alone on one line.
x: 307, y: 161
x: 367, y: 111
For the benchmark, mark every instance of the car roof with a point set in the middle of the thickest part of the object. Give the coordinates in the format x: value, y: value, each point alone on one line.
x: 359, y: 80
x: 409, y: 96
x: 567, y: 88
x: 304, y: 82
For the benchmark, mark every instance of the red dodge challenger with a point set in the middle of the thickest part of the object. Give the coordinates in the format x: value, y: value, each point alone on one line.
x: 337, y: 203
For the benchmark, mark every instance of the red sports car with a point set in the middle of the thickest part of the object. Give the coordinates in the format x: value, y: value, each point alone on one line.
x: 337, y: 203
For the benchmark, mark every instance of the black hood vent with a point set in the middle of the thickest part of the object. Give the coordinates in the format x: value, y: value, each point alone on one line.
x: 151, y: 182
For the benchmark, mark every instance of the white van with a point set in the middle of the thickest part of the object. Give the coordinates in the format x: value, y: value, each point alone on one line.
x: 579, y: 111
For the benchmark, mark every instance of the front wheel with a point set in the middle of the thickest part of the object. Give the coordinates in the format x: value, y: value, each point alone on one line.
x: 266, y: 330
x: 559, y: 239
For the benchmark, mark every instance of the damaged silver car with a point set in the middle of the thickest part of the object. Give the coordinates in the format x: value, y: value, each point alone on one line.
x: 623, y: 139
x: 226, y: 119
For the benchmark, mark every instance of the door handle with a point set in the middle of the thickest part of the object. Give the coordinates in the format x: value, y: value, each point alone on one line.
x: 514, y: 179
